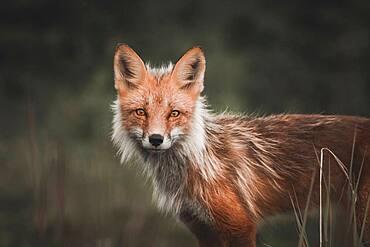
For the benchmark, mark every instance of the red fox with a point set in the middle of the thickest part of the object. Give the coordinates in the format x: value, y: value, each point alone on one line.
x: 221, y: 175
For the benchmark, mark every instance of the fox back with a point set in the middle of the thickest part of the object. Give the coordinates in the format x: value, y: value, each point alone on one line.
x: 223, y: 174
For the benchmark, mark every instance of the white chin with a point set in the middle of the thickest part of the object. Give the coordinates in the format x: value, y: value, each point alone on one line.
x: 161, y: 148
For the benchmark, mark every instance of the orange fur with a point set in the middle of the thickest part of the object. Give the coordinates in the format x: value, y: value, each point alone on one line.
x: 224, y: 174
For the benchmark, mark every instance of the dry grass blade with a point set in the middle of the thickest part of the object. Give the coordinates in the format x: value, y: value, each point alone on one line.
x: 364, y: 220
x: 298, y: 218
x: 303, y: 236
x: 320, y: 224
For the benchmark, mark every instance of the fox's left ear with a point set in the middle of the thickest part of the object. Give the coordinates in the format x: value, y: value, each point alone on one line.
x: 189, y: 71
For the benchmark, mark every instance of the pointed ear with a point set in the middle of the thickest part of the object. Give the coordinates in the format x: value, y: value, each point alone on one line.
x: 129, y: 69
x: 189, y: 71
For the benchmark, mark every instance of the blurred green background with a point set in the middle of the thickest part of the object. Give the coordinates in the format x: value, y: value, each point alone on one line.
x: 60, y: 181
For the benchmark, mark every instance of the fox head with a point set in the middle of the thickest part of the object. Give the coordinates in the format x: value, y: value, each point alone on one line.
x: 156, y: 109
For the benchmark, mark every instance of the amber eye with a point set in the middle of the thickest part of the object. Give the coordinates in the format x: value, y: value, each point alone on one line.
x: 175, y: 113
x: 140, y: 112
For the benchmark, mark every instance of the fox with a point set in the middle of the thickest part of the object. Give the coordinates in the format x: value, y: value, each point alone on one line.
x: 223, y: 174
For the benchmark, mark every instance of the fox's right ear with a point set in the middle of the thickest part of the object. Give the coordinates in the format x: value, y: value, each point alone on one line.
x: 129, y: 69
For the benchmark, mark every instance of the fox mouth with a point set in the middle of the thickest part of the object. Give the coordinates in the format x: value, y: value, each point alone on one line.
x: 155, y: 150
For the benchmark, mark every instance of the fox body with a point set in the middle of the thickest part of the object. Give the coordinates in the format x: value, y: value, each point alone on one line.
x: 223, y: 174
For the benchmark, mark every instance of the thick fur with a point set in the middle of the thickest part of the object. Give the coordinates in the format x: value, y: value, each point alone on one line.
x: 223, y: 174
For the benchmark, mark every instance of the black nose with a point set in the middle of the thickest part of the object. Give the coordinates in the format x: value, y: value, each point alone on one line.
x: 156, y: 139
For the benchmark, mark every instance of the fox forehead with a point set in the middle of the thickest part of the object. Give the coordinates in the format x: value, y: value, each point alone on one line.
x: 157, y: 93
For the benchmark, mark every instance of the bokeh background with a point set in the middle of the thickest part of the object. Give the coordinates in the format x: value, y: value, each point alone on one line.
x: 60, y: 181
